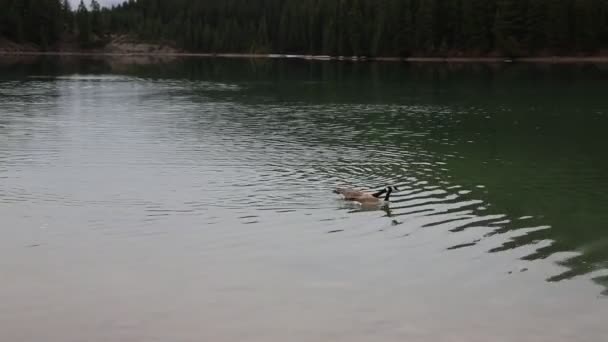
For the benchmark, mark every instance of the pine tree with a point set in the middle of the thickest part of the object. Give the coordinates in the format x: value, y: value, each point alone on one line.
x: 12, y: 21
x: 336, y: 27
x: 558, y: 25
x: 506, y: 27
x: 449, y: 25
x: 378, y: 35
x: 355, y: 25
x: 536, y: 23
x: 261, y: 43
x: 83, y: 24
x: 68, y: 17
x: 207, y: 39
x: 329, y: 39
x: 283, y: 36
x: 96, y: 24
x: 585, y: 24
x: 425, y: 26
x: 603, y: 23
x: 402, y: 22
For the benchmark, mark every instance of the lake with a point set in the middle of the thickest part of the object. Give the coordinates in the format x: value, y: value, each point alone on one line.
x: 191, y: 200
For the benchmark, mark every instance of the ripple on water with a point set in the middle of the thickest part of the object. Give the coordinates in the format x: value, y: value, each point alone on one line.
x: 184, y: 153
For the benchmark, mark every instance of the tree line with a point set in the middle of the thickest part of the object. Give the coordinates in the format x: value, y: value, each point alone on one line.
x: 47, y: 22
x: 328, y: 27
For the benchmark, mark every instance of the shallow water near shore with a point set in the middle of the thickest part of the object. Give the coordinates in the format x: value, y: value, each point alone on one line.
x: 192, y: 200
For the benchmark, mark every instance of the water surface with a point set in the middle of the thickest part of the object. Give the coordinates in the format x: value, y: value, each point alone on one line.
x: 191, y: 200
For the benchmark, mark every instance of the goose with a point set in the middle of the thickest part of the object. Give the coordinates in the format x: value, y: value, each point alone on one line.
x: 365, y: 197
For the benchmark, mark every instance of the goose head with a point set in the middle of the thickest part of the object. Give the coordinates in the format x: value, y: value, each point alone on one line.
x: 389, y: 190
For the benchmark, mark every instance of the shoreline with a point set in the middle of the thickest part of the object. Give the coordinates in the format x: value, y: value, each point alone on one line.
x: 548, y: 60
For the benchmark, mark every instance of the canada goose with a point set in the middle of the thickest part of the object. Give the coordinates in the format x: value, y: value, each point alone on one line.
x: 365, y: 197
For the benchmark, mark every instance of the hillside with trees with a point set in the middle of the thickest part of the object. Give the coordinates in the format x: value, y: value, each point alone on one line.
x: 325, y: 27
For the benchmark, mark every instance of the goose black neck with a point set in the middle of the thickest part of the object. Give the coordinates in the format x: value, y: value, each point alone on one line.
x: 388, y: 194
x: 379, y: 193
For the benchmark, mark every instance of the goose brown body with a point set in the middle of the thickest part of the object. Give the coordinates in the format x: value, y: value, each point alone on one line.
x: 350, y: 194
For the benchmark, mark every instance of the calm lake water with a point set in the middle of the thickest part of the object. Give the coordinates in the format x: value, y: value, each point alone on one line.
x: 190, y: 200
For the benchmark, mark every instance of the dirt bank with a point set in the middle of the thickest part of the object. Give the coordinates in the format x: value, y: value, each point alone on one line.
x: 124, y: 45
x: 128, y: 46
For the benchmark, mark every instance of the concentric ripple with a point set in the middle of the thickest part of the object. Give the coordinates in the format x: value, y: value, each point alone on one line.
x: 242, y: 169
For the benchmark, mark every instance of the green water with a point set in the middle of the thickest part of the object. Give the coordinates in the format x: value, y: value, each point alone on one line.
x: 191, y: 199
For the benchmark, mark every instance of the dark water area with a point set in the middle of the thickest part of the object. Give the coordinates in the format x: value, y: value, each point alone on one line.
x: 191, y: 199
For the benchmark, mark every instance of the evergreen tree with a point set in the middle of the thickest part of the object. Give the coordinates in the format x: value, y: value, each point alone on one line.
x: 536, y: 23
x: 425, y: 26
x: 558, y: 25
x: 355, y: 28
x: 83, y: 23
x: 95, y: 17
x: 335, y: 27
x: 603, y: 23
x: 68, y: 16
x: 506, y: 27
x: 377, y: 34
x: 404, y: 38
x: 585, y: 24
x: 449, y: 25
x: 262, y: 41
x: 329, y: 39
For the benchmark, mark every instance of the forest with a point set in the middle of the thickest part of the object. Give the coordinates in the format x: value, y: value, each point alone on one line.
x: 394, y: 28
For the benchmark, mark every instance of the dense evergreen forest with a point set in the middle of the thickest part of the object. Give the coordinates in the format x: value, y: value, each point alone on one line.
x: 328, y: 27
